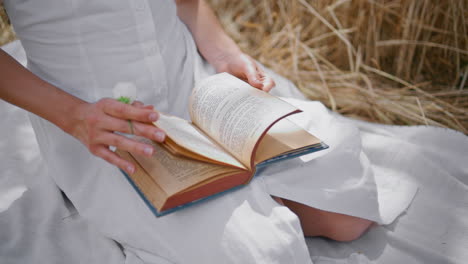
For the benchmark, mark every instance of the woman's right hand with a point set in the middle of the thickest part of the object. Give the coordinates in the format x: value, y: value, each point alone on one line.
x: 95, y: 123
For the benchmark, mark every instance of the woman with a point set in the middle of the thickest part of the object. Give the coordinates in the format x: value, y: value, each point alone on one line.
x: 78, y: 50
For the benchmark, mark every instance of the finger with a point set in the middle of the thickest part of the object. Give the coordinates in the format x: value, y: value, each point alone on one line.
x: 268, y: 83
x: 141, y: 105
x: 109, y: 156
x: 138, y: 104
x: 250, y: 71
x: 149, y: 131
x: 123, y: 143
x: 112, y: 124
x: 252, y: 76
x: 128, y: 112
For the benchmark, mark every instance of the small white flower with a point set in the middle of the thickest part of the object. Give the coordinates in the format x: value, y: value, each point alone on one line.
x: 125, y: 92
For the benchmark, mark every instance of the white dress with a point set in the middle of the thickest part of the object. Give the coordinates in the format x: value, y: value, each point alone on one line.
x: 86, y: 47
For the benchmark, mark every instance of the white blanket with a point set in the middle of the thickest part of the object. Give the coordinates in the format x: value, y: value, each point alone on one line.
x: 433, y: 230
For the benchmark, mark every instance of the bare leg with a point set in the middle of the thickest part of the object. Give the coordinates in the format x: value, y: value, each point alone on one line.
x: 335, y: 226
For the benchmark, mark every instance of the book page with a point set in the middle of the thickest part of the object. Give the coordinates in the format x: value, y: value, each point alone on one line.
x: 185, y: 134
x: 174, y: 174
x: 283, y: 137
x: 144, y: 182
x: 234, y: 113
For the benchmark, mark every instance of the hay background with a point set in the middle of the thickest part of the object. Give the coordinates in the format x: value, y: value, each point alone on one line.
x: 387, y: 61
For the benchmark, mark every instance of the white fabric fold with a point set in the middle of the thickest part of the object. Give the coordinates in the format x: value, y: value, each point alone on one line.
x: 11, y: 189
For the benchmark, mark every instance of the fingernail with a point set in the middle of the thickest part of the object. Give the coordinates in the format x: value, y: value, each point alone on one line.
x: 153, y: 116
x: 148, y: 151
x: 159, y: 136
x: 130, y: 169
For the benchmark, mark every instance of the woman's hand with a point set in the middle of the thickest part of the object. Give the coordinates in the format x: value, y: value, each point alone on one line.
x: 244, y: 67
x: 217, y: 47
x: 95, y: 124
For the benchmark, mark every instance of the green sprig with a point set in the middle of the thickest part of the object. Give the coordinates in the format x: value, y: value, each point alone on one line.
x: 124, y: 99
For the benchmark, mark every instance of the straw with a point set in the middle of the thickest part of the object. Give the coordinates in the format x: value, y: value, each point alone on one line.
x: 393, y: 62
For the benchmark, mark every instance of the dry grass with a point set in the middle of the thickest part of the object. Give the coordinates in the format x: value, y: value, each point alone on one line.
x: 393, y: 62
x: 388, y: 61
x: 6, y: 32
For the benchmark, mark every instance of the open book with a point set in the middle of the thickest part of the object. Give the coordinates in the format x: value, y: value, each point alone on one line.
x: 234, y: 129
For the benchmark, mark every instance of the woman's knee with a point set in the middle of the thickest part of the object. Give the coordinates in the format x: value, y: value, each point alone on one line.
x: 335, y: 226
x: 345, y: 228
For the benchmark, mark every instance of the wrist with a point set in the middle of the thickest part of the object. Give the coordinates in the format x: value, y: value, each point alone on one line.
x: 221, y: 60
x: 71, y: 122
x: 218, y: 50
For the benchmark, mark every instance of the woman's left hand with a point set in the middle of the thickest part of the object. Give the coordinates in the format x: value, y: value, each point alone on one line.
x: 244, y: 67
